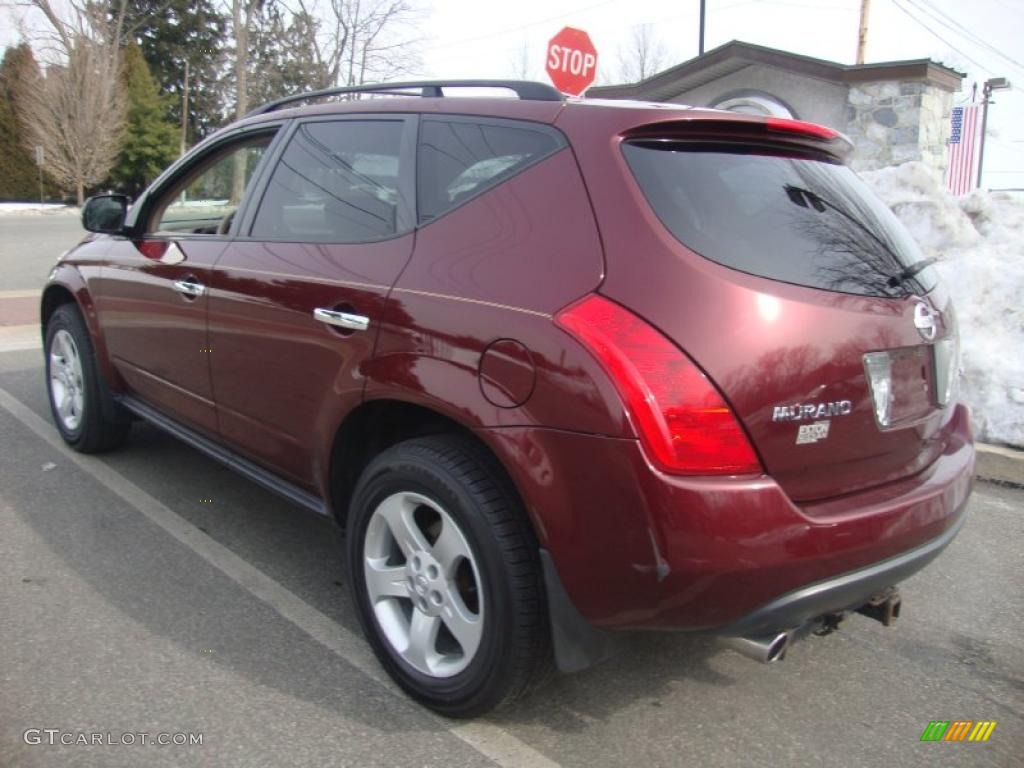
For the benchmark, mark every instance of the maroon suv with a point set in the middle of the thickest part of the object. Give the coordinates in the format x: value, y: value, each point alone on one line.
x: 559, y: 368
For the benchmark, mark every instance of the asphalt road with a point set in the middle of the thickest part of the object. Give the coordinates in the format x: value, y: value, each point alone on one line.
x: 130, y: 604
x: 31, y: 243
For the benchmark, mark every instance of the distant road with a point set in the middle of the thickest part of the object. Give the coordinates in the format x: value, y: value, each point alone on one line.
x: 30, y: 244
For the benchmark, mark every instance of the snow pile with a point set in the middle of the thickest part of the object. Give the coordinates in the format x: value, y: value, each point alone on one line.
x: 979, y: 241
x: 36, y: 208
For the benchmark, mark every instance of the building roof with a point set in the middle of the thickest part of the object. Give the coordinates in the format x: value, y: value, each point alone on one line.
x: 736, y: 55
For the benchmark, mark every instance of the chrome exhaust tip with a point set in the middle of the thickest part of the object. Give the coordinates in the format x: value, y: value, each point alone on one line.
x: 765, y: 648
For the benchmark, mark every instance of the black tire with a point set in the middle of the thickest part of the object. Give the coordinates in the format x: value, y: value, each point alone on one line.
x: 103, y: 424
x: 514, y: 651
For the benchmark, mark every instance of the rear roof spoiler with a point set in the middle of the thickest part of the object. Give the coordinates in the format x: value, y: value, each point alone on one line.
x: 771, y: 130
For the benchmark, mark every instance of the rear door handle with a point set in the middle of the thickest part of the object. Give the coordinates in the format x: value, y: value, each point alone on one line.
x: 342, y: 319
x: 189, y: 287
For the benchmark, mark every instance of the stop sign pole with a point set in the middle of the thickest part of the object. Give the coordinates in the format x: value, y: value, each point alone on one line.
x: 571, y: 61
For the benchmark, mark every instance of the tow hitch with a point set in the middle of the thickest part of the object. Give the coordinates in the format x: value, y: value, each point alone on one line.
x: 883, y: 607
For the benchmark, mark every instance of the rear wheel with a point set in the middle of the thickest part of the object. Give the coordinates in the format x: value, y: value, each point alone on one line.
x: 444, y: 570
x: 85, y: 413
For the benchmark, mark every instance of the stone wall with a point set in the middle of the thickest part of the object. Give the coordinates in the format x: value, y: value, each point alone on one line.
x: 891, y: 123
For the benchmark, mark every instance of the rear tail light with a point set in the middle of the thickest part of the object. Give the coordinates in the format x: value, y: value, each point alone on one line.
x: 683, y: 423
x: 802, y: 127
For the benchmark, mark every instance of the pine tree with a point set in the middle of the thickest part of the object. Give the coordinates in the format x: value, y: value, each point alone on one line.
x: 19, y: 177
x: 172, y: 32
x: 151, y: 139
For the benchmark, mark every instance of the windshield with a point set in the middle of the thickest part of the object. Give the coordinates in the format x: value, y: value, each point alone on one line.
x: 796, y: 218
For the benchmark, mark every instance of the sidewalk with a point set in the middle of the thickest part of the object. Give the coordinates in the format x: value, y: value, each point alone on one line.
x: 19, y: 320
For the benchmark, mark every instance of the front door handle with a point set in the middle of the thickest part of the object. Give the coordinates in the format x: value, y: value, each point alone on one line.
x: 344, y: 320
x: 189, y: 287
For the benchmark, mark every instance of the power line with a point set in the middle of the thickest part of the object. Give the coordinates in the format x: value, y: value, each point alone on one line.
x: 717, y: 9
x: 595, y: 6
x: 935, y: 34
x: 738, y: 5
x: 773, y: 3
x: 816, y: 7
x: 521, y: 27
x: 956, y: 27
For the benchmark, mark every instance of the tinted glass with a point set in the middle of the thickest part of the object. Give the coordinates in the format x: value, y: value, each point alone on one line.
x: 206, y: 199
x: 460, y: 159
x: 797, y: 219
x: 336, y: 182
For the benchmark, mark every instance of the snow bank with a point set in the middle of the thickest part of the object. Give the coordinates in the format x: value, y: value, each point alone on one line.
x: 36, y: 208
x: 979, y: 241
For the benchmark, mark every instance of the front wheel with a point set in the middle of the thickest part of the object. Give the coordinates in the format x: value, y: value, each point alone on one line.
x: 444, y: 571
x: 89, y: 419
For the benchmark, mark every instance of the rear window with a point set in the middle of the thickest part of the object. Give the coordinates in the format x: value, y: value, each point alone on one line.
x: 799, y: 219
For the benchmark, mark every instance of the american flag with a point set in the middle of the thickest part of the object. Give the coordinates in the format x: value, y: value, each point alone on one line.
x: 963, y: 143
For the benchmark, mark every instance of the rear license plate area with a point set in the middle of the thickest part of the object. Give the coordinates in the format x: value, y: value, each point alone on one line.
x: 911, y: 383
x: 901, y: 383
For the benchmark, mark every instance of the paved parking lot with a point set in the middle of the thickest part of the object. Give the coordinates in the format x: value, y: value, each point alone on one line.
x: 130, y: 604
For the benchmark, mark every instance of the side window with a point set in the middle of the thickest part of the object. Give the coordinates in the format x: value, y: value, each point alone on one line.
x: 336, y: 182
x: 460, y: 158
x: 205, y: 199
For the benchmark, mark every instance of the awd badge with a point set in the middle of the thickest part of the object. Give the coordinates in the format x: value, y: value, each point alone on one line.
x: 812, y: 433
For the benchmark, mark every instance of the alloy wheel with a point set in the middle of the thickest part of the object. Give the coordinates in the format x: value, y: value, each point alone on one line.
x: 424, y: 584
x: 66, y: 382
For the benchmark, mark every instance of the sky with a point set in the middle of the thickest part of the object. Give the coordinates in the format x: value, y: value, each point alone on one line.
x: 472, y: 38
x: 984, y: 38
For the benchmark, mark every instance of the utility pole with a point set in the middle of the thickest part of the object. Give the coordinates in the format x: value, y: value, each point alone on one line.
x: 700, y: 42
x: 995, y: 84
x: 862, y: 33
x: 184, y: 112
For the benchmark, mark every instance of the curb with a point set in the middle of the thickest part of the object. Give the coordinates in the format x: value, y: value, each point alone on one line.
x: 998, y: 464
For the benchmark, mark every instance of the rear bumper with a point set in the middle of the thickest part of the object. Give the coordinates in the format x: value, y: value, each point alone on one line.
x: 636, y: 549
x: 840, y: 593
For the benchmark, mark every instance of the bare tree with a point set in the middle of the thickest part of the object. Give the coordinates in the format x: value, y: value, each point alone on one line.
x: 643, y: 56
x: 357, y: 41
x: 76, y: 110
x: 281, y: 62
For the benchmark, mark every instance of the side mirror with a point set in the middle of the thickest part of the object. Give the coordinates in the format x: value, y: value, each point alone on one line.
x: 105, y: 213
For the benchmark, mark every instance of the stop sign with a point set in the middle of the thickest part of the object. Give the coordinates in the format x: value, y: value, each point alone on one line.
x: 572, y: 61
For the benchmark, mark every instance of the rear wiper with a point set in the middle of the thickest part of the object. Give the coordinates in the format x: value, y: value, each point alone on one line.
x: 798, y: 195
x: 909, y: 272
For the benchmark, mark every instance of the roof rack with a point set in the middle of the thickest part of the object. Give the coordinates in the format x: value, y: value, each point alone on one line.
x: 524, y: 89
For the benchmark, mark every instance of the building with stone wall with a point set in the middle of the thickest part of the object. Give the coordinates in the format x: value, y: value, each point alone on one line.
x: 893, y: 111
